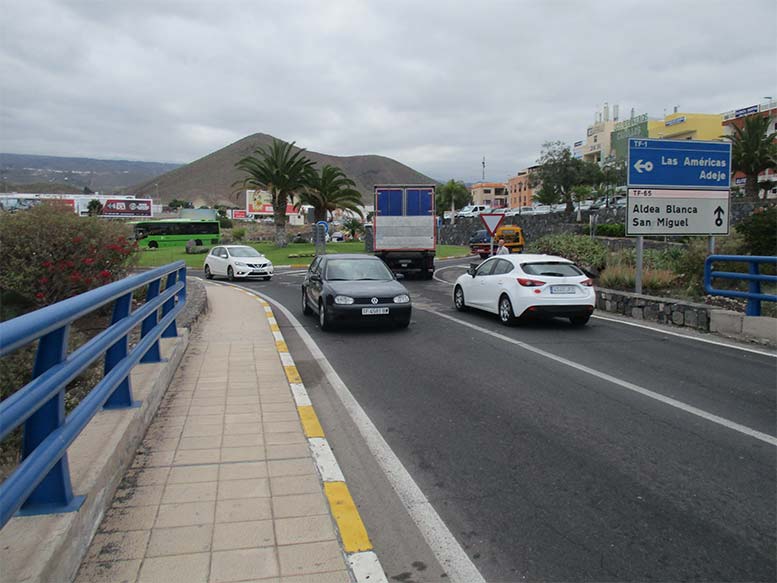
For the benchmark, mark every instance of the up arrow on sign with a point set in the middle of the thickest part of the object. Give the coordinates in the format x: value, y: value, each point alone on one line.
x: 492, y: 221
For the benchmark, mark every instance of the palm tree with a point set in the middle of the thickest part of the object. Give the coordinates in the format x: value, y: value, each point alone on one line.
x: 452, y: 195
x: 328, y: 191
x: 353, y: 227
x: 282, y: 170
x: 753, y: 150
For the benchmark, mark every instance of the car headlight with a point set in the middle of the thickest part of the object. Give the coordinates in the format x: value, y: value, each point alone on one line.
x: 240, y: 264
x: 343, y: 300
x: 402, y: 299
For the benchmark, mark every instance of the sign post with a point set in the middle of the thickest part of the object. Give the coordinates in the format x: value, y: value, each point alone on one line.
x: 677, y: 187
x: 492, y: 222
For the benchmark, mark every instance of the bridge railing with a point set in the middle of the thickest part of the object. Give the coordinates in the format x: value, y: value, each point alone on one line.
x: 753, y: 278
x: 41, y: 483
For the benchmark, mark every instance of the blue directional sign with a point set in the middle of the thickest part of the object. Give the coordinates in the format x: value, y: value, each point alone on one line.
x: 679, y: 164
x: 325, y: 225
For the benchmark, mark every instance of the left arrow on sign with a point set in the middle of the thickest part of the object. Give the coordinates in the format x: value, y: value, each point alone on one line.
x: 639, y: 166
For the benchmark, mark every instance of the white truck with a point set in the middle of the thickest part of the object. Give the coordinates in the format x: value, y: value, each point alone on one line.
x: 405, y: 228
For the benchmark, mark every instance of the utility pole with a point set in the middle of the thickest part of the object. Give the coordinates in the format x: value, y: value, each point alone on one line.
x: 484, y: 168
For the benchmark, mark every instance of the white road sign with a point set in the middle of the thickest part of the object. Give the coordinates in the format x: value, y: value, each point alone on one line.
x: 677, y: 212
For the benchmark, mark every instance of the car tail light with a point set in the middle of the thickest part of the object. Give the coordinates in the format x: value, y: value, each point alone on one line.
x: 530, y: 282
x: 587, y: 282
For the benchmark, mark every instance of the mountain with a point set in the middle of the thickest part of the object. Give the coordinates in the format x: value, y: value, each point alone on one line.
x: 99, y: 175
x: 209, y: 180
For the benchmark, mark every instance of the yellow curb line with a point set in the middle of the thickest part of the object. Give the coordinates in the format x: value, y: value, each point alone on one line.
x: 292, y: 374
x: 346, y: 515
x: 281, y: 346
x: 310, y: 423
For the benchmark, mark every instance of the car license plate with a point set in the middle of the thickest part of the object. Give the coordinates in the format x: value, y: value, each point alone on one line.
x: 562, y: 289
x: 374, y: 311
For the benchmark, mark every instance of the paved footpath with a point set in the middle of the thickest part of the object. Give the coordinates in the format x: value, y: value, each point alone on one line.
x: 224, y: 486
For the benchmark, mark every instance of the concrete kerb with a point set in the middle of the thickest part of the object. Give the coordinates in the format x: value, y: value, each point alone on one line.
x: 357, y: 547
x: 51, y: 547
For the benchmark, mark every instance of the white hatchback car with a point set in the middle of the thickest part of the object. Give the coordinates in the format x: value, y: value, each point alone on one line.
x: 233, y: 261
x: 519, y: 285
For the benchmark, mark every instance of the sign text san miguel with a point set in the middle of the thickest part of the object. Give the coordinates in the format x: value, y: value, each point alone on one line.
x: 678, y: 187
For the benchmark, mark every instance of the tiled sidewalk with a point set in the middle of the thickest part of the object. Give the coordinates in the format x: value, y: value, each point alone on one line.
x: 224, y: 487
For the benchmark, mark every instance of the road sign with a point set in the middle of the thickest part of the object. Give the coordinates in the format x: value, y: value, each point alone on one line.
x: 325, y: 225
x: 677, y: 212
x: 492, y: 221
x: 679, y: 164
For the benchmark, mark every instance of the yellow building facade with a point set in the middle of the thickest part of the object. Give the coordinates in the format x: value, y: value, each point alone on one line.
x: 687, y: 126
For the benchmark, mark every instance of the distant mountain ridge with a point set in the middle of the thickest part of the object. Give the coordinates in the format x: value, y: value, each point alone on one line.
x: 98, y: 175
x: 208, y: 181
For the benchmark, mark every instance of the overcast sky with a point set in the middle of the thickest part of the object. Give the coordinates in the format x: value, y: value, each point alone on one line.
x: 436, y: 85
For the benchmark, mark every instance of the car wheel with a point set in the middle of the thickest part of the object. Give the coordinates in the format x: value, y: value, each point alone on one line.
x: 153, y: 245
x: 305, y: 307
x: 323, y: 318
x: 579, y: 320
x: 208, y: 274
x: 198, y: 242
x: 506, y: 315
x: 230, y: 274
x: 458, y: 299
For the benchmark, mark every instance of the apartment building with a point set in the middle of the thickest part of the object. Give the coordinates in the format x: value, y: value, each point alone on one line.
x: 493, y: 194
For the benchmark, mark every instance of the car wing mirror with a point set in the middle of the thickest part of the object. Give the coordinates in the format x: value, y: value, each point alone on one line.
x: 399, y: 276
x: 315, y: 277
x: 472, y: 269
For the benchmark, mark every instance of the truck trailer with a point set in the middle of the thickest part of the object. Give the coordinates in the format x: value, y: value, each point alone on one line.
x: 405, y: 228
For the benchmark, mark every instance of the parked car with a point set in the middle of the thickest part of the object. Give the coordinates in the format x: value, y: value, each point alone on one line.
x: 516, y: 286
x: 237, y: 261
x: 542, y: 209
x: 354, y: 288
x: 513, y: 238
x: 473, y: 210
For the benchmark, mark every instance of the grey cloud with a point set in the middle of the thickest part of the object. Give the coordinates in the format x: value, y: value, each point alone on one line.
x: 436, y: 85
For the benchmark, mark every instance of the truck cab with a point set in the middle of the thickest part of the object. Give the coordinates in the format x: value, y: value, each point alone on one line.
x: 513, y: 236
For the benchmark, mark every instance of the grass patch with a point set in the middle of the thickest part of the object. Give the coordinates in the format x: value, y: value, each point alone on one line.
x: 295, y: 253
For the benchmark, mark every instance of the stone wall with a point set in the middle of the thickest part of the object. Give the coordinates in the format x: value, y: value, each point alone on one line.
x: 655, y: 309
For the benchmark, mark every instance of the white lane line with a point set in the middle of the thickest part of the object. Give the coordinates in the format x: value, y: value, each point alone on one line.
x: 296, y: 272
x: 300, y: 394
x: 616, y: 381
x: 444, y: 545
x: 434, y: 275
x: 687, y: 337
x: 286, y: 359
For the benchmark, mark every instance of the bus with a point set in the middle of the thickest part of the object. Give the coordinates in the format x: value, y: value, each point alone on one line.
x: 176, y: 232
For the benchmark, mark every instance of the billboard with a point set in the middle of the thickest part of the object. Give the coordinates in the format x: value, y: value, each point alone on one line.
x: 122, y: 207
x: 619, y: 139
x: 259, y: 202
x: 19, y: 202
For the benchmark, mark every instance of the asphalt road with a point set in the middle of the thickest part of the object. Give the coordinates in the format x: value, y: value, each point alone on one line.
x: 536, y: 447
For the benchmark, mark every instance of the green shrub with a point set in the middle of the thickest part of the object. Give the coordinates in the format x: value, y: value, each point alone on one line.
x: 651, y: 258
x: 623, y: 277
x: 239, y: 234
x: 759, y: 232
x: 578, y: 248
x: 225, y: 222
x: 610, y: 230
x: 50, y: 254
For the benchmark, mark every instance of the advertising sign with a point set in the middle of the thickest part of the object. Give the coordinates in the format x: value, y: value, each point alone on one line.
x: 236, y: 214
x: 746, y: 111
x: 619, y: 139
x: 122, y: 207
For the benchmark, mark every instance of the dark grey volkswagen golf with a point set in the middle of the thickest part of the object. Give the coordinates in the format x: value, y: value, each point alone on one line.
x: 354, y: 288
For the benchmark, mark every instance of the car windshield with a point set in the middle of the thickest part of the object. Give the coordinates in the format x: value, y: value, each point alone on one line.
x: 243, y: 252
x: 551, y: 269
x: 357, y: 270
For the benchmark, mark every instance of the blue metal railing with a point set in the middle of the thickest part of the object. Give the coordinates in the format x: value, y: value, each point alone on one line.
x: 41, y: 483
x: 753, y: 295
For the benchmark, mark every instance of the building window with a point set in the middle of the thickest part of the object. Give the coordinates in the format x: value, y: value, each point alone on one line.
x: 486, y: 191
x: 596, y: 139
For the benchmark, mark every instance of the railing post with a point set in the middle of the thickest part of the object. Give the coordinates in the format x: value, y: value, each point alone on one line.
x: 754, y: 287
x: 182, y: 279
x: 121, y: 398
x: 171, y: 331
x: 153, y: 354
x: 55, y: 491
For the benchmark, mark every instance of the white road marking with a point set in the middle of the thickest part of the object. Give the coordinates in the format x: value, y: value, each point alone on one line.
x: 295, y: 273
x: 434, y: 275
x: 444, y: 545
x: 681, y: 335
x: 616, y: 381
x: 325, y: 460
x: 286, y: 359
